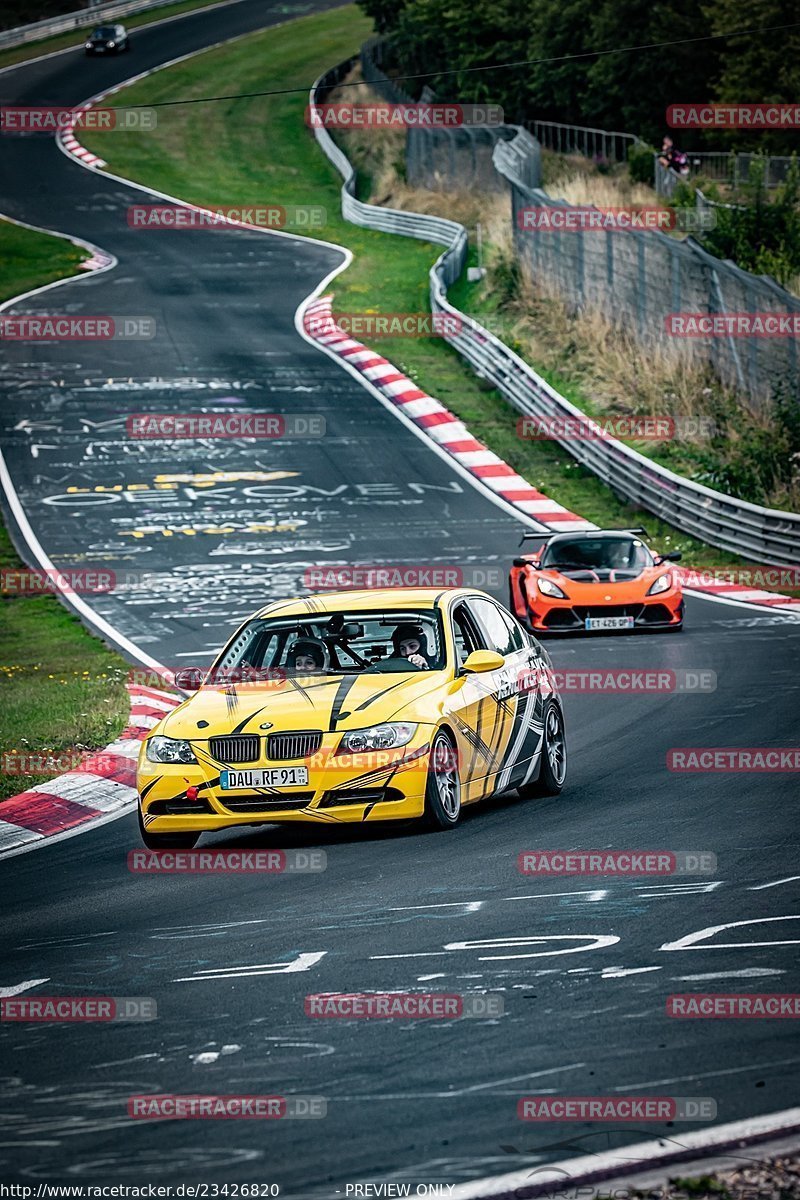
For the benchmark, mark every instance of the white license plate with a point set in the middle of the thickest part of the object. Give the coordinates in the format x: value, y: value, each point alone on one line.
x: 609, y: 622
x: 231, y: 781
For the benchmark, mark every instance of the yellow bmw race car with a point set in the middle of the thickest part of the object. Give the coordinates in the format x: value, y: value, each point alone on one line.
x: 356, y: 706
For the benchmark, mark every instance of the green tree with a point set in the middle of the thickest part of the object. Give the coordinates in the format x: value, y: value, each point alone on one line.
x: 385, y: 13
x: 758, y: 67
x: 556, y: 90
x: 448, y: 38
x: 761, y: 235
x: 632, y: 90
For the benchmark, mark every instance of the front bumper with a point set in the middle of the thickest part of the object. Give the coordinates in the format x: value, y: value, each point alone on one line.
x: 663, y: 611
x: 340, y: 790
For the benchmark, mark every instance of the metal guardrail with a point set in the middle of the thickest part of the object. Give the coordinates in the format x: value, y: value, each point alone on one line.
x: 608, y: 144
x: 760, y: 534
x: 67, y: 22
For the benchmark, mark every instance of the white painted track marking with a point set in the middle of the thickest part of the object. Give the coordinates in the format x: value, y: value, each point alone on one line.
x: 16, y: 988
x: 690, y: 940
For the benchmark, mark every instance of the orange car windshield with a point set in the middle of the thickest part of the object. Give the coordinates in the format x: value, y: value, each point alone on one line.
x: 607, y: 554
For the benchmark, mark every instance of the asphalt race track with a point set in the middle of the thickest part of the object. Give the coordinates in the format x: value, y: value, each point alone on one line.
x: 583, y: 966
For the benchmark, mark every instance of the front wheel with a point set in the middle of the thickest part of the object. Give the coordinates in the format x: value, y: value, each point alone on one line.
x: 553, y: 768
x: 443, y: 788
x: 167, y: 841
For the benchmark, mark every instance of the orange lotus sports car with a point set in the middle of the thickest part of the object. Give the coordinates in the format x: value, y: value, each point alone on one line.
x: 595, y: 580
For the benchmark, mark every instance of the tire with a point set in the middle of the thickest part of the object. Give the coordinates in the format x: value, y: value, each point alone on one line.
x: 167, y: 841
x: 443, y: 789
x: 553, y: 769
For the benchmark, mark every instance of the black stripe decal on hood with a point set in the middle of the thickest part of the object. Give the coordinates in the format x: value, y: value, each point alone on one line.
x: 338, y: 700
x: 371, y: 699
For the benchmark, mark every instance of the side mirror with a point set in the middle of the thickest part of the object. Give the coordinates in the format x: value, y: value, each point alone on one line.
x: 526, y: 562
x: 482, y: 660
x: 673, y: 556
x: 189, y: 679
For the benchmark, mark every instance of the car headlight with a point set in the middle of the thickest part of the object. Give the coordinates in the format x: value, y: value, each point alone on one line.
x: 169, y: 750
x: 662, y: 584
x: 111, y: 45
x: 87, y: 45
x: 548, y: 588
x: 377, y: 737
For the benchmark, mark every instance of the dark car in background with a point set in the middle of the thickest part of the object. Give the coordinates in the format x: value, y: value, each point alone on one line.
x: 107, y: 39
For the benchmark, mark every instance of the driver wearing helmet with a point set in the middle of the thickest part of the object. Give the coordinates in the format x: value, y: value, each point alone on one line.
x: 308, y: 656
x: 408, y: 641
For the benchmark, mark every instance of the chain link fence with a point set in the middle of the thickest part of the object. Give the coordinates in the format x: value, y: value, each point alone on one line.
x: 459, y: 157
x: 645, y: 281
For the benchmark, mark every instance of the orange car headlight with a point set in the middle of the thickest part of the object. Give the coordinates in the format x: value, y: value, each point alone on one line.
x: 662, y: 584
x: 548, y: 588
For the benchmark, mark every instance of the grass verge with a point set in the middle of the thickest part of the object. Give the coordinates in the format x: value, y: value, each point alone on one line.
x: 64, y: 690
x: 258, y: 150
x: 29, y: 259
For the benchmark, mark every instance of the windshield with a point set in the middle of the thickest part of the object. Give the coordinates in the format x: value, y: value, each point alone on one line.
x: 336, y: 643
x: 606, y: 553
x: 105, y: 31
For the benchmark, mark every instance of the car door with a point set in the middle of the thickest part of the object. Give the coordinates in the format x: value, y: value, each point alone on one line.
x: 470, y: 706
x: 516, y: 691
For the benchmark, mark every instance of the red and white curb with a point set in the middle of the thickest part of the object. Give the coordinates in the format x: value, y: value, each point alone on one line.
x: 73, y: 146
x: 104, y: 786
x: 451, y: 435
